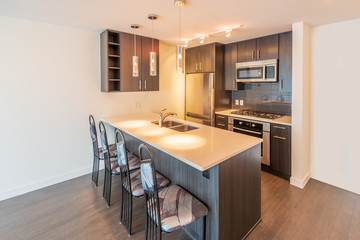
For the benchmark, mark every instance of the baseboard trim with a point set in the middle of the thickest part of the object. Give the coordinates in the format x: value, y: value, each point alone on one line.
x: 43, y: 183
x: 300, y: 183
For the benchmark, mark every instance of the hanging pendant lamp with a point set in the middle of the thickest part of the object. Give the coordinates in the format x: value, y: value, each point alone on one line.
x: 135, y: 58
x: 153, y: 61
x: 180, y: 60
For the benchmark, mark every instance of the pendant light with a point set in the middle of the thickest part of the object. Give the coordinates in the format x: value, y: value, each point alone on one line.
x: 179, y: 48
x: 135, y: 58
x: 153, y: 62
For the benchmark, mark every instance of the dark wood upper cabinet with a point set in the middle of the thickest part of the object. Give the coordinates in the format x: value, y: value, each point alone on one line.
x: 285, y: 61
x: 280, y: 159
x: 128, y: 82
x: 230, y: 60
x: 117, y: 50
x: 200, y: 59
x: 267, y: 47
x: 191, y: 59
x: 258, y: 49
x: 206, y: 55
x: 246, y: 51
x: 149, y: 83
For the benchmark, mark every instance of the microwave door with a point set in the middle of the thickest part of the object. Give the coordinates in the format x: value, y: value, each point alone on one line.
x: 250, y: 73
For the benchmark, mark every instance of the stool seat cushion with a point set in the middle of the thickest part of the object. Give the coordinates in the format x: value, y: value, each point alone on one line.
x: 134, y: 163
x: 178, y: 208
x: 136, y: 185
x: 112, y: 151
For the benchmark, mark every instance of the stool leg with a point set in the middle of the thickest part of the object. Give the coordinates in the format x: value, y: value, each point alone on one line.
x: 204, y: 233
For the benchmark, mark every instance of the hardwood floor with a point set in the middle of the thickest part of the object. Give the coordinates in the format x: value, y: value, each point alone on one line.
x: 75, y: 210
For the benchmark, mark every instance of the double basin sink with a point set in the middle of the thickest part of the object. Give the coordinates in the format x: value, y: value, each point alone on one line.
x: 177, y: 126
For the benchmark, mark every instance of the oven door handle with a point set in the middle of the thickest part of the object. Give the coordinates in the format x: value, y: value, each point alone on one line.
x: 245, y: 130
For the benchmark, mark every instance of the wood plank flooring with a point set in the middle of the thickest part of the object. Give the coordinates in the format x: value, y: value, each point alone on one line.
x: 75, y: 210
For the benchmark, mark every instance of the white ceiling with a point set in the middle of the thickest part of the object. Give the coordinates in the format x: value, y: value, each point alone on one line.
x: 258, y: 17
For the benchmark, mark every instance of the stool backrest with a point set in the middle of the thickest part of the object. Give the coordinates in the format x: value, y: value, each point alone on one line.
x: 104, y: 145
x: 123, y: 159
x: 148, y: 180
x: 93, y: 136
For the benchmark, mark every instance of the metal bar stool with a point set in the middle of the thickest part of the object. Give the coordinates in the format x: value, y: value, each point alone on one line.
x: 169, y: 209
x: 98, y: 153
x: 131, y: 181
x: 111, y: 167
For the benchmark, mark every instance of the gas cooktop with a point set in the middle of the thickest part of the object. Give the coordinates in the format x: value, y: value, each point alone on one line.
x: 257, y: 114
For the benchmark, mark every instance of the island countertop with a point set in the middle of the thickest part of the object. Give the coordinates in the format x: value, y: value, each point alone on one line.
x: 201, y: 148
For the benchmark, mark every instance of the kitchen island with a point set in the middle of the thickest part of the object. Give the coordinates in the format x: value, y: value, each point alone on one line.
x: 219, y: 167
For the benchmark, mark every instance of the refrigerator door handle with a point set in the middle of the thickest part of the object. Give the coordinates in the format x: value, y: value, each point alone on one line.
x: 212, y: 93
x: 195, y: 115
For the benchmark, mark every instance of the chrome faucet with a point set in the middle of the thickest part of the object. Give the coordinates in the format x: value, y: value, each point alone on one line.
x: 162, y: 118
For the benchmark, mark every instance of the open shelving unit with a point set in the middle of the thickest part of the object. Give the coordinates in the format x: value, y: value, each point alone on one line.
x: 111, y: 58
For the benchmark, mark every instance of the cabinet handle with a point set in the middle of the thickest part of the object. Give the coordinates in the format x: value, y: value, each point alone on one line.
x: 281, y: 84
x: 145, y: 84
x: 221, y: 117
x: 281, y: 138
x: 140, y: 84
x: 258, y: 53
x: 279, y: 127
x: 220, y: 124
x: 196, y: 67
x: 200, y: 65
x: 253, y: 54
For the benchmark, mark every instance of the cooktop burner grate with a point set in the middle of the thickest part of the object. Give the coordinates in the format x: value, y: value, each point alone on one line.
x: 257, y: 114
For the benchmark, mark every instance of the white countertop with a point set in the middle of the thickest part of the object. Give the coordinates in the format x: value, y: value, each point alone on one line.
x: 285, y: 120
x: 201, y: 148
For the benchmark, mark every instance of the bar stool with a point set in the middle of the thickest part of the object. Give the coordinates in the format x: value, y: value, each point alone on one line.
x: 111, y: 167
x: 131, y: 182
x: 98, y: 153
x: 169, y: 209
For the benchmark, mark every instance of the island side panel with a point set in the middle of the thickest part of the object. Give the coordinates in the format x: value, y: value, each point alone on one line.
x: 240, y: 194
x: 193, y: 181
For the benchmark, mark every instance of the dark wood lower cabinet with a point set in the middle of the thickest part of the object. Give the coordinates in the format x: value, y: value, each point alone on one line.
x: 221, y: 121
x: 280, y: 160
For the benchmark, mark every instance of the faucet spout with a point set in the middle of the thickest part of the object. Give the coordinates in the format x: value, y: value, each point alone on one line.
x: 163, y: 117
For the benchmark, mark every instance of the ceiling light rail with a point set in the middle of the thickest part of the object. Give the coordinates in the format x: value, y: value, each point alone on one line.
x: 227, y: 31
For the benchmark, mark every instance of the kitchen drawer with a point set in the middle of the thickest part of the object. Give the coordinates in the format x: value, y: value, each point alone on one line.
x: 279, y: 130
x: 221, y: 121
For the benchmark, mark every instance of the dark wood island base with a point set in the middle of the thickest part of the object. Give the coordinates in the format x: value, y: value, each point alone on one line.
x: 231, y: 190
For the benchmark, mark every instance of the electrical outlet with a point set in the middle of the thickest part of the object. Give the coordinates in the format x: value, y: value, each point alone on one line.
x: 241, y: 102
x: 137, y: 104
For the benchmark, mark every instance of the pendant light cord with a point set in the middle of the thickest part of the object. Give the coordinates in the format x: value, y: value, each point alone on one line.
x: 152, y: 39
x: 134, y: 44
x: 179, y: 27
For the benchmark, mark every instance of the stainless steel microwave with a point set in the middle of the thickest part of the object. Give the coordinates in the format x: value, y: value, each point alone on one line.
x: 257, y: 71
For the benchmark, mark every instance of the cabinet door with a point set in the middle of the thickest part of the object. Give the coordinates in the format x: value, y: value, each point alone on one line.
x: 281, y: 149
x: 191, y: 60
x: 267, y: 47
x: 149, y: 83
x: 230, y: 59
x: 285, y: 61
x: 221, y: 121
x: 128, y: 82
x: 246, y: 51
x: 206, y: 56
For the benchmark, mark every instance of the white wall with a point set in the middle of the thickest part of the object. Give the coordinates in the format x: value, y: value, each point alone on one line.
x: 50, y: 83
x: 335, y: 85
x: 300, y: 136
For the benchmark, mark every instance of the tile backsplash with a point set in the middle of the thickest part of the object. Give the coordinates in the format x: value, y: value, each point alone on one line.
x: 263, y: 97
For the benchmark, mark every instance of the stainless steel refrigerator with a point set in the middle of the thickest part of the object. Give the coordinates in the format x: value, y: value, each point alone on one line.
x: 200, y: 98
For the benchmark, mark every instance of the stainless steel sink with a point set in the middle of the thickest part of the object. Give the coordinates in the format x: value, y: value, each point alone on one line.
x: 168, y: 124
x: 177, y: 126
x: 184, y: 128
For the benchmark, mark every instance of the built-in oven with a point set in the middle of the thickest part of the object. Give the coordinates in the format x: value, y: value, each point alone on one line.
x: 257, y: 71
x: 255, y: 129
